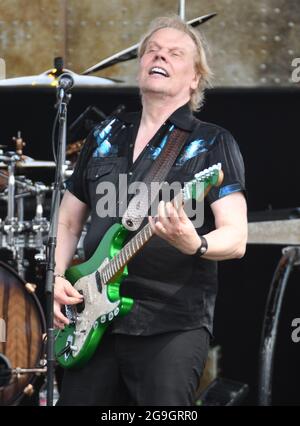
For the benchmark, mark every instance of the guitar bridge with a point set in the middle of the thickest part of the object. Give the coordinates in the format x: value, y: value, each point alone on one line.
x: 70, y: 313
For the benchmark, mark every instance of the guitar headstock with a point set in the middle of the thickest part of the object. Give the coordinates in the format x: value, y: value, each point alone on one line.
x: 202, y: 182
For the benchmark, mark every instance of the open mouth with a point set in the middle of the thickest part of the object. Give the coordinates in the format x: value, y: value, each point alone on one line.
x: 159, y: 71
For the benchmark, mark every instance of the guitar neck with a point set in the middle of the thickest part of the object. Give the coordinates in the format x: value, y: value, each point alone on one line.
x: 117, y: 263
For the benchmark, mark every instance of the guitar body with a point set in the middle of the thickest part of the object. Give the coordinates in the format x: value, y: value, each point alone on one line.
x: 77, y: 342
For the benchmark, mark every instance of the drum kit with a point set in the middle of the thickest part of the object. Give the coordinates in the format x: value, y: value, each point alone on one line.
x: 23, y: 242
x: 22, y: 354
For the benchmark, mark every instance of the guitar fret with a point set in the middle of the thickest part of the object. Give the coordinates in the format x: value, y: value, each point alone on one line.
x: 134, y: 247
x: 106, y: 275
x: 136, y: 242
x: 119, y: 261
x: 140, y: 239
x: 122, y: 257
x: 125, y: 253
x: 147, y: 231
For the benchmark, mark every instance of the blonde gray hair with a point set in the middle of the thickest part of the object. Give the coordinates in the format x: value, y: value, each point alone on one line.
x: 201, y: 65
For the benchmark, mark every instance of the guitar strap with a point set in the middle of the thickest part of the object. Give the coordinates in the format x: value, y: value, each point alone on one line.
x: 139, y: 205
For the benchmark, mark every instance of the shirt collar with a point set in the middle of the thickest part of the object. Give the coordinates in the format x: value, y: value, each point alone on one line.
x: 182, y: 118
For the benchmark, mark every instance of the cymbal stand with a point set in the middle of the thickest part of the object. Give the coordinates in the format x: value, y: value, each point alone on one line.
x: 19, y: 248
x: 11, y: 223
x: 40, y: 224
x: 181, y: 9
x: 290, y: 258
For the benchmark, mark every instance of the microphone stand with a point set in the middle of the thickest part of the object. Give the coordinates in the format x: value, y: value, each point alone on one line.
x: 63, y: 99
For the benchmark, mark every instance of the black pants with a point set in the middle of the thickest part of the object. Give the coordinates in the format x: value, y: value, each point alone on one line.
x: 163, y: 369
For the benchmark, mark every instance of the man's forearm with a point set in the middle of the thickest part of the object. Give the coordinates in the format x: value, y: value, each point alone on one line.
x: 65, y: 249
x: 227, y: 242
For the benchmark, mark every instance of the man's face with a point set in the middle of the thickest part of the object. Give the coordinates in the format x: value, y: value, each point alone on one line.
x: 167, y: 66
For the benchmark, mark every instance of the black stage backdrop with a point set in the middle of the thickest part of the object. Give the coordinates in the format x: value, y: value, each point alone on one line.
x: 265, y: 122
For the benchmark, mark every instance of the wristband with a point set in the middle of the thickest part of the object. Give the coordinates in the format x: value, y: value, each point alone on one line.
x: 202, y: 249
x: 59, y: 275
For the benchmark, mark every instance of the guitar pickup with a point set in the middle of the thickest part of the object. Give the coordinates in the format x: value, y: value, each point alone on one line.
x: 80, y: 306
x: 98, y: 281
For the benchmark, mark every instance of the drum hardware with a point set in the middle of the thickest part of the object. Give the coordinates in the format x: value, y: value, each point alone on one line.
x: 19, y: 144
x: 8, y: 374
x: 29, y: 390
x: 30, y: 287
x: 18, y: 371
x: 16, y: 234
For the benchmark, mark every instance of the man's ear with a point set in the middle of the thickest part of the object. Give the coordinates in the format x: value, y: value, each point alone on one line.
x: 195, y: 81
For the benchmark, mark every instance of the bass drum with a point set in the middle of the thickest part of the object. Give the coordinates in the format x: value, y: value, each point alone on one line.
x: 25, y: 325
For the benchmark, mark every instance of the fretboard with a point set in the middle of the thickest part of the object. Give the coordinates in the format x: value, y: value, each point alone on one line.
x: 121, y: 259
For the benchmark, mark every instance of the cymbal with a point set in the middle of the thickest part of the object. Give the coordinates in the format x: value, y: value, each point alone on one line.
x: 132, y: 51
x: 50, y: 79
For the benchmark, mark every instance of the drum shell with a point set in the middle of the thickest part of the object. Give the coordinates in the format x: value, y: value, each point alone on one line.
x: 25, y: 326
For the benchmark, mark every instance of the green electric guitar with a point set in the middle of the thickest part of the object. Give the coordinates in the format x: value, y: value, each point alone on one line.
x: 99, y: 279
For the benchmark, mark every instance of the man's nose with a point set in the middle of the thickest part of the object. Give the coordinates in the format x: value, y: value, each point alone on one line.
x: 161, y: 55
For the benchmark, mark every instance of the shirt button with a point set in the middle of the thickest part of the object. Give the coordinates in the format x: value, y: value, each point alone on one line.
x: 130, y: 173
x: 131, y: 145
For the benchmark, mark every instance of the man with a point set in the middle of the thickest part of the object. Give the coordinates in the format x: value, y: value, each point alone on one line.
x: 155, y: 354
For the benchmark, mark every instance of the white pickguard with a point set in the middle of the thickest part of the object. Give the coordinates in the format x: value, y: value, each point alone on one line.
x: 98, y: 309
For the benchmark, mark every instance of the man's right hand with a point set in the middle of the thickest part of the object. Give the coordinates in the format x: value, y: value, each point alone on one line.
x: 64, y: 294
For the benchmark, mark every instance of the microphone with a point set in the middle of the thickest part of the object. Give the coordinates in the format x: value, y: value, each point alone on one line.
x: 65, y: 82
